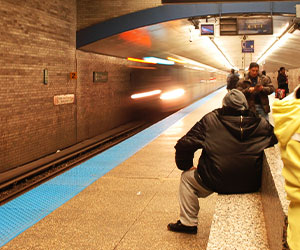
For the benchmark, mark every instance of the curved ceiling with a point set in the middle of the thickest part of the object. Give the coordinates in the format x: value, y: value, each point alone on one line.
x: 172, y: 38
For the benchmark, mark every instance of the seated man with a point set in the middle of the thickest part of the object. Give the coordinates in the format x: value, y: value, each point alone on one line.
x: 231, y: 84
x: 233, y: 139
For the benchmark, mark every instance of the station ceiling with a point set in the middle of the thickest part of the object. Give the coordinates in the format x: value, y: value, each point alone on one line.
x: 179, y: 39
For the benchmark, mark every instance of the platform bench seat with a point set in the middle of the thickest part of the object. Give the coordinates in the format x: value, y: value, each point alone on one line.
x: 238, y: 223
x: 275, y: 204
x: 253, y: 221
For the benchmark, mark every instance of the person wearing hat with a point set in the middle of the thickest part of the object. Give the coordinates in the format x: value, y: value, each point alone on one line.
x: 232, y: 139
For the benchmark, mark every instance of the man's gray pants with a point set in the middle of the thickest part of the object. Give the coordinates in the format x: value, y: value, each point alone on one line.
x: 189, y: 192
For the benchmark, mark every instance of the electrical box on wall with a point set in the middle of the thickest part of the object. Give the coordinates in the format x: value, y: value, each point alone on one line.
x: 45, y: 73
x: 100, y: 76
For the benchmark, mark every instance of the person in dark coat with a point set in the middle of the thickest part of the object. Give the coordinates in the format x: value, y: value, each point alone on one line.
x: 264, y: 73
x: 256, y: 88
x: 232, y: 82
x: 232, y: 139
x: 282, y: 80
x: 232, y: 79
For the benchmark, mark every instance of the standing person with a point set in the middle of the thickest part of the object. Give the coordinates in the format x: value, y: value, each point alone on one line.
x: 286, y: 115
x: 230, y: 74
x: 233, y: 139
x: 232, y: 79
x: 282, y: 80
x: 265, y: 74
x: 256, y: 88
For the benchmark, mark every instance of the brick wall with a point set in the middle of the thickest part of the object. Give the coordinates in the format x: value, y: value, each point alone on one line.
x: 39, y: 35
x: 90, y: 12
x: 35, y: 35
x: 102, y: 105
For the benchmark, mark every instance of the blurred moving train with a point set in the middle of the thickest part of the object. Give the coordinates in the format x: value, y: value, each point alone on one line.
x: 169, y: 88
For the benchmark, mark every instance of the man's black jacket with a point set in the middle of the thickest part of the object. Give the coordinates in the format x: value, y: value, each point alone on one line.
x: 232, y: 155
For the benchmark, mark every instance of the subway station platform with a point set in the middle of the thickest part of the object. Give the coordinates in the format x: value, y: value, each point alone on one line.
x: 125, y: 201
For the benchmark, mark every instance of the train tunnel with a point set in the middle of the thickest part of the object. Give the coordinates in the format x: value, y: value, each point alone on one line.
x: 74, y: 71
x: 202, y: 41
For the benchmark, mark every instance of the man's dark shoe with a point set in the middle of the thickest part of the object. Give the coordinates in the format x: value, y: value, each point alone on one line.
x: 180, y: 228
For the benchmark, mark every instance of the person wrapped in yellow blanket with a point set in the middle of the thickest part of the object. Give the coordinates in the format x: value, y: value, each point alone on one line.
x: 286, y: 114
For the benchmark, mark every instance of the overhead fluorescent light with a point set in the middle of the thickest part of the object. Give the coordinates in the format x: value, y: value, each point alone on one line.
x: 158, y: 60
x: 176, y: 60
x: 214, y: 46
x: 193, y: 67
x: 199, y: 66
x: 279, y: 41
x: 138, y: 60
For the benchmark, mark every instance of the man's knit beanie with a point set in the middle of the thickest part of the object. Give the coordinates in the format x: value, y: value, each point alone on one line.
x: 235, y: 99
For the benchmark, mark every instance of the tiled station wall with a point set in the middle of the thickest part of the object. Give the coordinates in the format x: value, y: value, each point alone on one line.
x: 37, y: 35
x: 103, y: 105
x: 294, y: 78
x: 90, y: 12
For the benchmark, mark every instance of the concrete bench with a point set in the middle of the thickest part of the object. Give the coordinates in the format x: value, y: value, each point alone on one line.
x: 275, y: 204
x: 253, y: 221
x: 238, y: 223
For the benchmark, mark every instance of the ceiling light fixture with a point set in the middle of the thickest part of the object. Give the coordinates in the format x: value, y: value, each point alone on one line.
x: 138, y: 60
x: 227, y: 63
x: 176, y: 60
x: 194, y: 67
x: 200, y: 65
x: 157, y: 60
x: 279, y: 41
x: 189, y: 63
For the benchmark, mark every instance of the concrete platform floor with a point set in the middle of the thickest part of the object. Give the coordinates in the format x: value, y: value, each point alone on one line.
x: 129, y: 207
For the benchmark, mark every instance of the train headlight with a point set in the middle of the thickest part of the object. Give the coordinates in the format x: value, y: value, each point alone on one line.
x: 173, y: 94
x: 146, y: 94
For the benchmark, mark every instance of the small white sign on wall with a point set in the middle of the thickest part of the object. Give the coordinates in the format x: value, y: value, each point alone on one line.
x: 63, y: 99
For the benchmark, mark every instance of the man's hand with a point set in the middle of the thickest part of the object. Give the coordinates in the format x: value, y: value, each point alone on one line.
x: 258, y: 88
x: 251, y: 89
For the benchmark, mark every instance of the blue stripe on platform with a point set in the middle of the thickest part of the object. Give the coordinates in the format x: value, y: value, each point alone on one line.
x: 29, y: 208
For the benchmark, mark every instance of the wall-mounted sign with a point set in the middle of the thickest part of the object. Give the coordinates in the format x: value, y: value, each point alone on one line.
x: 45, y: 76
x: 73, y: 75
x: 254, y: 26
x: 100, y: 76
x: 248, y: 46
x: 63, y: 99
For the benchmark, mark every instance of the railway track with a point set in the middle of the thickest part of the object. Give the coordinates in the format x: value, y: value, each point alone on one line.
x: 55, y: 164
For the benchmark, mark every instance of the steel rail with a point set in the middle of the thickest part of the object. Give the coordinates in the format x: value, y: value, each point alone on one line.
x: 25, y: 182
